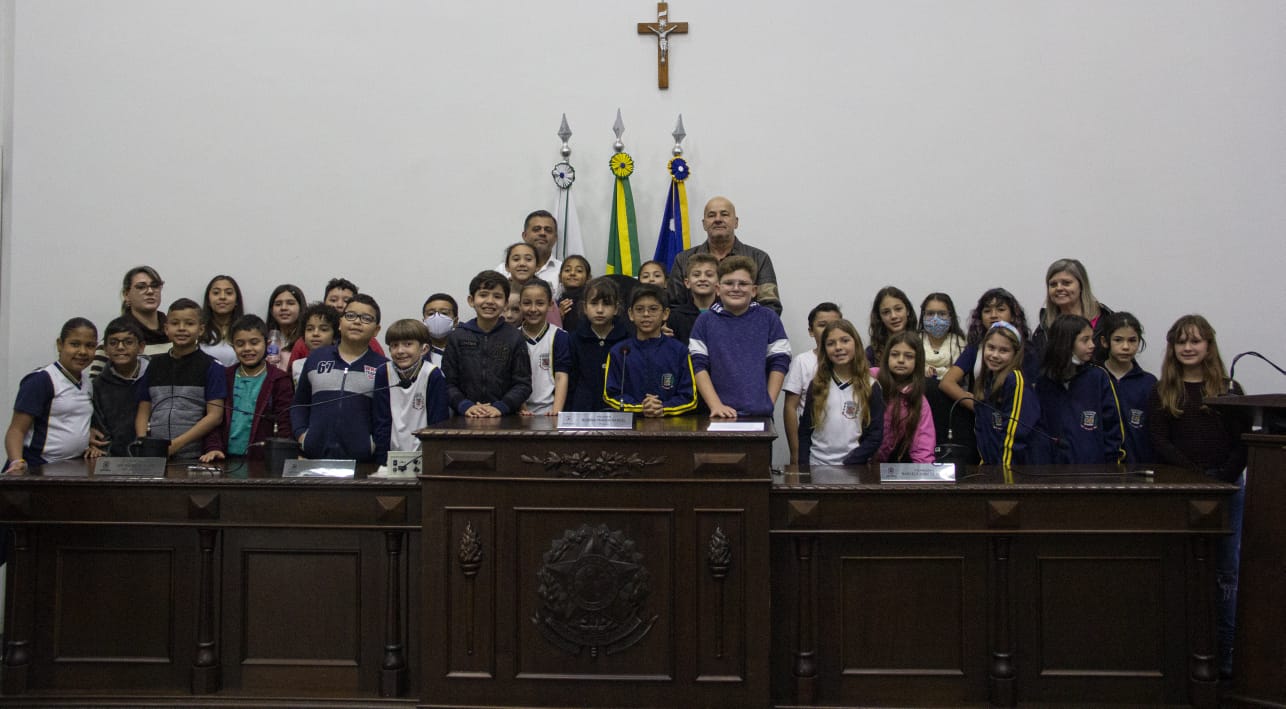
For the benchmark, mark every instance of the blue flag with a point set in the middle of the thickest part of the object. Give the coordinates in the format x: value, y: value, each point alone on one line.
x: 676, y: 232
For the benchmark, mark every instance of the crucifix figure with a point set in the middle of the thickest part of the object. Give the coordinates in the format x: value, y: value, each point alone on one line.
x: 662, y: 28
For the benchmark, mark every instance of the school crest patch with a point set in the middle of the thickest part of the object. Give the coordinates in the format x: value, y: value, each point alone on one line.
x: 997, y: 420
x: 370, y: 372
x: 1136, y: 418
x: 417, y: 401
x: 1089, y: 420
x: 544, y: 361
x: 667, y: 381
x: 849, y: 410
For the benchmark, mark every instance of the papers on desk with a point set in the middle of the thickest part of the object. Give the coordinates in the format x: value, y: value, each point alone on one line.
x: 736, y: 426
x: 303, y: 468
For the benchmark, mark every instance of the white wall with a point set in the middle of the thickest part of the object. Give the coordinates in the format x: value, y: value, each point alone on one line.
x: 933, y: 144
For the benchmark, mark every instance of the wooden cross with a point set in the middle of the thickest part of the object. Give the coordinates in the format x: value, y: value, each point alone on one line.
x: 663, y: 28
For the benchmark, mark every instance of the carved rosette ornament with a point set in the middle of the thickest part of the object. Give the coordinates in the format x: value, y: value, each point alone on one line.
x: 593, y: 592
x: 582, y: 464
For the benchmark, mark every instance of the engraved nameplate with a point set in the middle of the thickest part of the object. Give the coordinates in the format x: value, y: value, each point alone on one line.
x: 610, y: 420
x: 917, y: 472
x: 130, y: 467
x: 319, y: 468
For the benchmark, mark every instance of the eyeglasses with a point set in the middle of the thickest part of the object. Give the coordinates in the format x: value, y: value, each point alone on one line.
x: 121, y: 342
x: 365, y: 318
x: 145, y: 287
x: 736, y: 284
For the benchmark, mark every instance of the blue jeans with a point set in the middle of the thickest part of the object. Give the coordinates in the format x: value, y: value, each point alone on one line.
x: 1227, y: 562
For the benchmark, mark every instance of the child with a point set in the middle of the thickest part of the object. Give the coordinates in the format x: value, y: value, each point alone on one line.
x: 1077, y: 400
x: 1006, y: 410
x: 1122, y: 339
x: 285, y: 324
x: 995, y: 305
x: 51, y: 414
x: 944, y: 341
x: 486, y: 364
x: 652, y: 273
x: 116, y: 389
x: 222, y: 308
x: 513, y: 306
x: 339, y: 412
x: 1188, y: 433
x: 550, y: 351
x: 729, y: 345
x: 802, y: 369
x: 520, y: 260
x: 599, y: 331
x: 440, y: 317
x: 650, y: 373
x: 891, y: 313
x: 909, y: 433
x: 338, y: 293
x: 417, y: 389
x: 843, y: 421
x: 260, y: 396
x: 321, y: 323
x: 573, y: 277
x: 702, y: 282
x: 181, y: 396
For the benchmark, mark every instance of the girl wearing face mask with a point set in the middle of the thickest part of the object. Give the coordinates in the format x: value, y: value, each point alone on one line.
x: 944, y: 341
x: 440, y: 317
x: 1078, y: 403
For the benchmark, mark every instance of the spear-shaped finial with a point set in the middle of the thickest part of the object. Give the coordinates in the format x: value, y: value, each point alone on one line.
x: 619, y: 129
x: 565, y: 134
x: 679, y: 134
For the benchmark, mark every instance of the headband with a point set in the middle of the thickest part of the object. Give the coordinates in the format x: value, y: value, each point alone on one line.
x: 1001, y: 323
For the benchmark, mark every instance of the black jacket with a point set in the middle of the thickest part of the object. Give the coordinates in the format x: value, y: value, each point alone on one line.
x: 487, y: 367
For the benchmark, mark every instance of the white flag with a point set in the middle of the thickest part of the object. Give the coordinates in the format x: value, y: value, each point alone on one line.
x: 569, y: 238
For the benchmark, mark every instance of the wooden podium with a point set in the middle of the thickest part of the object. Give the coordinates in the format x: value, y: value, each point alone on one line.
x: 621, y: 568
x: 1259, y: 654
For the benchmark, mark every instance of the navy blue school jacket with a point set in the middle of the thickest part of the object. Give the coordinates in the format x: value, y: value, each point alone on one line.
x: 1003, y: 423
x: 1132, y: 394
x: 1083, y: 414
x: 589, y: 365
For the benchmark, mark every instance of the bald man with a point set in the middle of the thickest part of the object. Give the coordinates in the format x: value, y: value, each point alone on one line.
x: 720, y: 222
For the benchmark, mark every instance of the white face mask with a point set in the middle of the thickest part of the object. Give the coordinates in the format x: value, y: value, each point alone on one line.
x: 439, y: 325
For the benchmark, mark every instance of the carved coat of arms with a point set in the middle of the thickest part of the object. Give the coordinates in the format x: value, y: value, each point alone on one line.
x: 593, y: 592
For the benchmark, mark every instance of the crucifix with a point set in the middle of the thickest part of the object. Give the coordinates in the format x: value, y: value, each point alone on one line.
x: 662, y: 28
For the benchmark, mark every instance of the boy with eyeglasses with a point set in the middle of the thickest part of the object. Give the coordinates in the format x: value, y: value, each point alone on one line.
x: 339, y: 413
x: 650, y: 373
x: 116, y: 389
x: 739, y: 348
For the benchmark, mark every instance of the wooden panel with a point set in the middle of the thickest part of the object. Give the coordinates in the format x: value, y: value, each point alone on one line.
x: 1101, y: 615
x: 595, y: 594
x: 114, y: 605
x: 719, y: 546
x: 901, y: 615
x: 288, y: 620
x: 469, y: 615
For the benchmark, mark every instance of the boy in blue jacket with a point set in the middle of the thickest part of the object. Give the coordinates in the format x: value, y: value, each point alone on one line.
x: 339, y: 412
x: 650, y: 373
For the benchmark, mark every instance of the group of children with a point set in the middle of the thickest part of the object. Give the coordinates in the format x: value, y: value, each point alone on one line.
x: 229, y: 381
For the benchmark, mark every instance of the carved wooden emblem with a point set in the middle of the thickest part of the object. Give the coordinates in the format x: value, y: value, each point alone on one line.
x: 584, y: 465
x: 593, y: 591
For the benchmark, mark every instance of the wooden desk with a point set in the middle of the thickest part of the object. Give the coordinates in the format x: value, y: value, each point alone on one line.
x: 170, y: 591
x: 1045, y: 585
x: 595, y: 568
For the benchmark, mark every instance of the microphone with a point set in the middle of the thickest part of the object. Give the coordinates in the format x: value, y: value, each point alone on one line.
x: 1233, y: 367
x: 951, y: 452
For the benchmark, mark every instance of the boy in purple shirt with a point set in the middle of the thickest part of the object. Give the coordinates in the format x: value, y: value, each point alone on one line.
x: 739, y: 348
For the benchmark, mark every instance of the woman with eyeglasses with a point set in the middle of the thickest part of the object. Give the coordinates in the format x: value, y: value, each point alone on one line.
x: 141, y: 303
